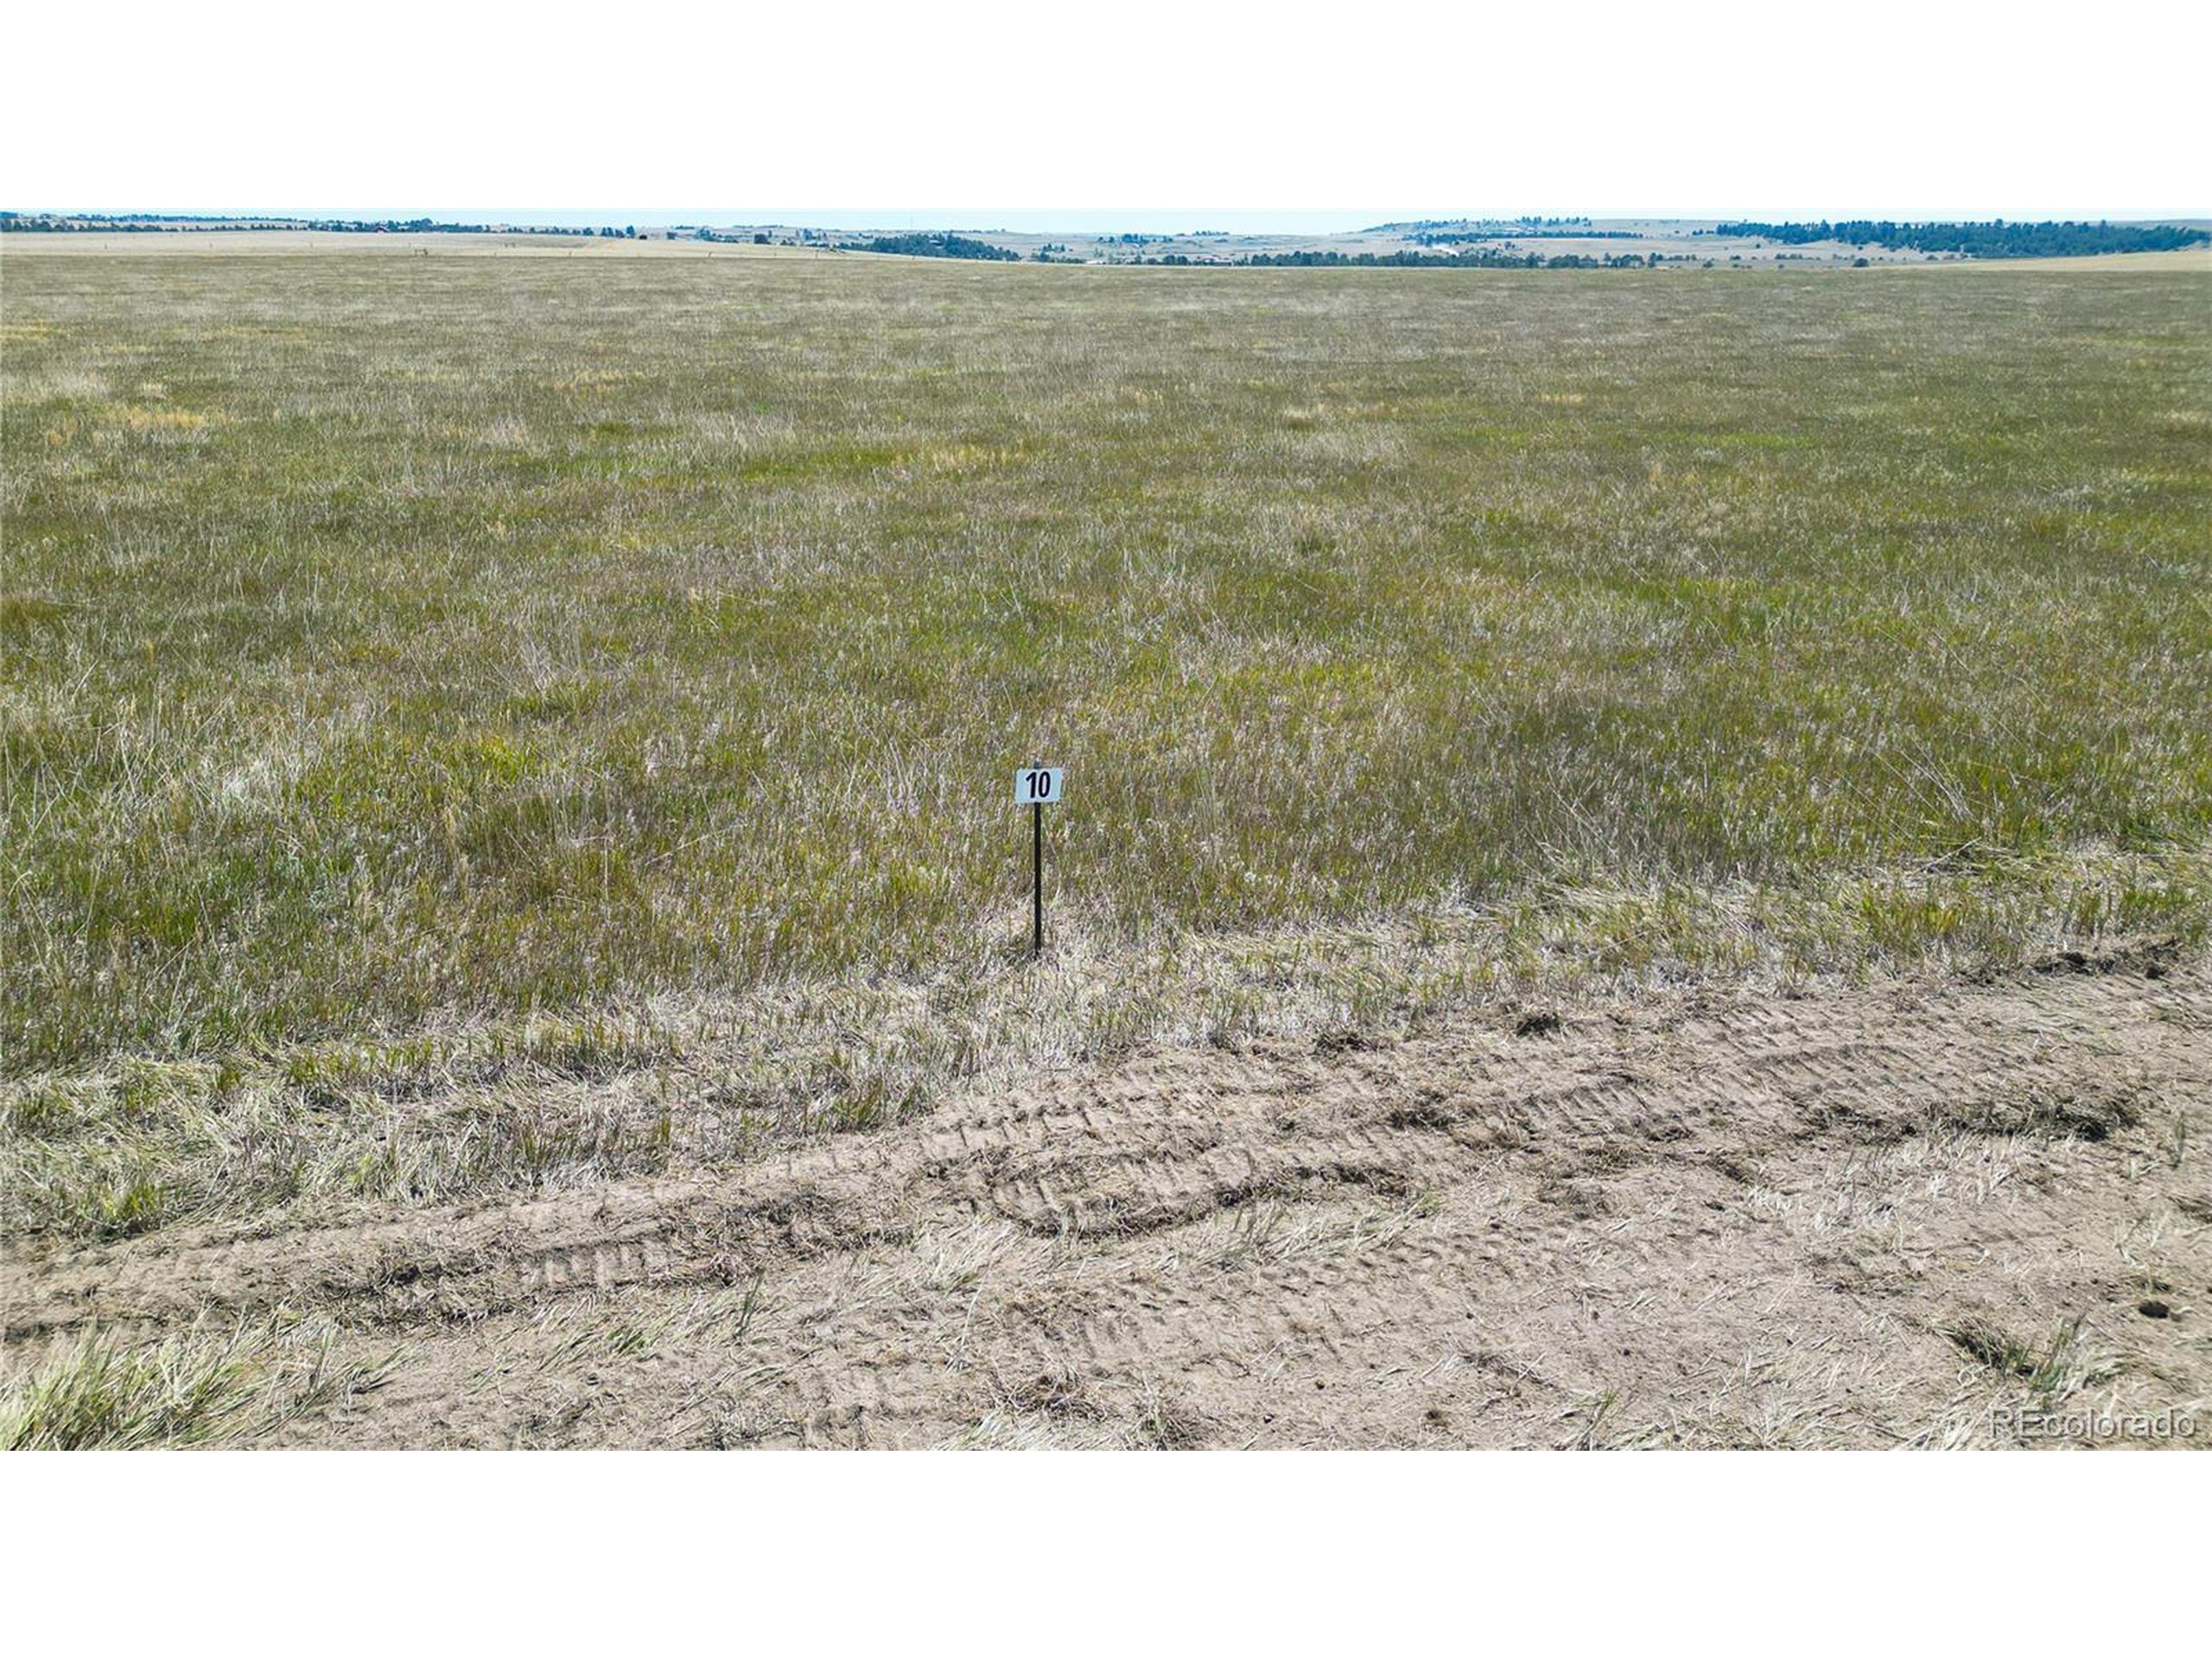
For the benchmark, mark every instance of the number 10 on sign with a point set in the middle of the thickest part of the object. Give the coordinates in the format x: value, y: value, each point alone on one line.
x: 1036, y: 787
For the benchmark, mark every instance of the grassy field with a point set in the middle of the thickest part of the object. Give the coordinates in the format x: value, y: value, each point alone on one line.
x: 398, y: 644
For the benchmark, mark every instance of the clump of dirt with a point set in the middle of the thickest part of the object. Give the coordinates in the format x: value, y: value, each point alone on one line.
x: 2151, y: 957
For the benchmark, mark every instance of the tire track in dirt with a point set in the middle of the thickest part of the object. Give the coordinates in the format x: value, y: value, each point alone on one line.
x: 1467, y: 1236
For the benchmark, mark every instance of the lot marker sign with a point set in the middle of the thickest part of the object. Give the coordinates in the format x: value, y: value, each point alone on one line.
x: 1037, y: 787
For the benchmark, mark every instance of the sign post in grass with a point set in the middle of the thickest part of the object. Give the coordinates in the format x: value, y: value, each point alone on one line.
x: 1037, y: 787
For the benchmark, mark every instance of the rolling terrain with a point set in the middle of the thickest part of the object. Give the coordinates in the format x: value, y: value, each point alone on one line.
x: 1635, y: 869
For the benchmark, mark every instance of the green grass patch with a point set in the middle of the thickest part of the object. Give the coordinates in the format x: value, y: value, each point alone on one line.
x: 554, y: 636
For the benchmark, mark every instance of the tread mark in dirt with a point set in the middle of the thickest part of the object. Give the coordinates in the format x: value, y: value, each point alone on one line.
x: 1688, y: 1213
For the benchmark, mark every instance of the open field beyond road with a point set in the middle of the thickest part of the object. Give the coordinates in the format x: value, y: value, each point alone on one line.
x: 393, y: 638
x: 1571, y: 780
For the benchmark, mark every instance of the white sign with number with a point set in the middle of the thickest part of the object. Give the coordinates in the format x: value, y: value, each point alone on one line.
x: 1036, y: 785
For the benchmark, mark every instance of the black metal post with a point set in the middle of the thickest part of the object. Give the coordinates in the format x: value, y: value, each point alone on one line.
x: 1037, y: 879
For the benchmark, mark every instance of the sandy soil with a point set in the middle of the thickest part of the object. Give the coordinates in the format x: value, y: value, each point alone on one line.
x: 1864, y: 1217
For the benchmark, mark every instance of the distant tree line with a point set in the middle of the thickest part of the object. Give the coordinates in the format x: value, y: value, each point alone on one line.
x: 1995, y: 239
x: 1466, y: 259
x: 156, y: 223
x: 934, y: 244
x: 19, y: 221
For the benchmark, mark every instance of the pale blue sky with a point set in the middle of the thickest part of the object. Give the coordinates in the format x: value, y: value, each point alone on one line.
x: 1688, y: 108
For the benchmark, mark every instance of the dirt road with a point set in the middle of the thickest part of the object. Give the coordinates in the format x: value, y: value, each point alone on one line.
x: 1864, y: 1217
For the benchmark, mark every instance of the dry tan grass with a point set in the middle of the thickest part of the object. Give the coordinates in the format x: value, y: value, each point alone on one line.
x: 504, y: 769
x: 398, y: 641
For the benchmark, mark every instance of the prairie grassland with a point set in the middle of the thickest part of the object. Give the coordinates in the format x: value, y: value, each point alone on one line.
x: 408, y: 658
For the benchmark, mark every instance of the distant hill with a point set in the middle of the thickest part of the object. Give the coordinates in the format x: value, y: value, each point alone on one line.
x: 1995, y: 239
x: 1532, y: 242
x: 931, y: 244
